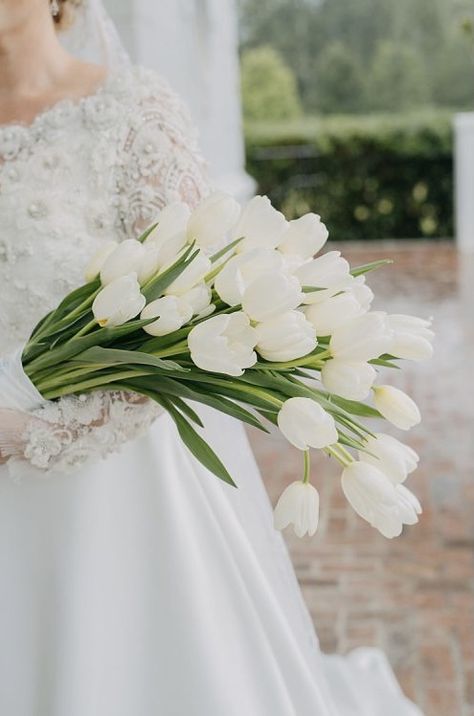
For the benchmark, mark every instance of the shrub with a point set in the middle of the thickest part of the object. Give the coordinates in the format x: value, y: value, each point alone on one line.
x: 381, y: 176
x: 269, y: 87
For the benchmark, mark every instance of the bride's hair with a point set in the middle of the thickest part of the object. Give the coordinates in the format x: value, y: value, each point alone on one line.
x: 65, y: 17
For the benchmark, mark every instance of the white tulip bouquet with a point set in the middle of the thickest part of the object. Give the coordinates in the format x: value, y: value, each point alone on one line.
x: 230, y: 308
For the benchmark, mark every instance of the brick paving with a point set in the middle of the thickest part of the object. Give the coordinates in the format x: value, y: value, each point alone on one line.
x: 413, y: 596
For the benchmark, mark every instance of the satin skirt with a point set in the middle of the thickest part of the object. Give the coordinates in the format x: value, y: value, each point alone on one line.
x: 141, y: 585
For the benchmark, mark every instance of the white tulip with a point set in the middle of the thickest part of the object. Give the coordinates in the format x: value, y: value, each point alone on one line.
x: 151, y: 262
x: 224, y: 344
x: 305, y: 424
x: 298, y: 506
x: 97, y: 261
x: 394, y: 458
x: 118, y: 302
x: 329, y: 272
x: 304, y: 237
x: 127, y: 258
x: 396, y: 407
x: 362, y: 293
x: 412, y: 337
x: 348, y: 379
x: 169, y: 237
x: 192, y: 275
x: 363, y: 338
x: 373, y: 496
x: 242, y: 269
x: 285, y: 337
x: 271, y: 295
x: 328, y: 315
x: 260, y: 224
x: 198, y: 298
x: 171, y: 314
x: 211, y: 221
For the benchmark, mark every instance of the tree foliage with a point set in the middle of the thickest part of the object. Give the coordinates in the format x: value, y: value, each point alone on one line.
x: 430, y: 40
x: 269, y: 88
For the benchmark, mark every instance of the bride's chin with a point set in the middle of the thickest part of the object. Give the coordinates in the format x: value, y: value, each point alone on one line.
x: 15, y: 14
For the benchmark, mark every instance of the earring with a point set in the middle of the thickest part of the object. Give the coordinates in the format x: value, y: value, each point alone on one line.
x: 54, y: 8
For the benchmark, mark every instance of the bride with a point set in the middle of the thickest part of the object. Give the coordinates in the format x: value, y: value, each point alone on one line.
x: 133, y: 583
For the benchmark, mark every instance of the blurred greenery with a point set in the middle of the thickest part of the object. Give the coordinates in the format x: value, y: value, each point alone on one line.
x: 382, y: 175
x: 269, y: 88
x: 369, y: 54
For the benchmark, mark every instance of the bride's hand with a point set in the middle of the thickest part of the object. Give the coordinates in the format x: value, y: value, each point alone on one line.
x: 13, y: 424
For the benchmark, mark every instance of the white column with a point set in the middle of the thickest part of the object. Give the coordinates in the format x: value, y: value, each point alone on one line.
x: 464, y: 180
x: 194, y: 45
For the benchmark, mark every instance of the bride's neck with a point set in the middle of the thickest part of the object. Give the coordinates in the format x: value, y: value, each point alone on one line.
x: 31, y: 57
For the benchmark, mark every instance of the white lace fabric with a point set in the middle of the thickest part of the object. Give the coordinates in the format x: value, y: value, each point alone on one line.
x: 81, y: 174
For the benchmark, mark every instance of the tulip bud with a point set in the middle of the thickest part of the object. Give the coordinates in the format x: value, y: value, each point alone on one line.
x: 298, y: 505
x: 127, y: 258
x: 348, y: 379
x: 362, y: 339
x: 193, y: 274
x: 394, y: 458
x: 260, y: 224
x: 211, y: 221
x: 304, y: 237
x: 286, y: 337
x: 242, y: 269
x: 329, y: 272
x: 198, y: 298
x: 118, y: 302
x: 169, y: 237
x: 306, y: 424
x: 412, y: 337
x: 396, y: 407
x: 372, y: 495
x: 94, y: 266
x: 171, y: 315
x: 271, y: 295
x: 150, y: 264
x: 334, y: 312
x: 224, y: 344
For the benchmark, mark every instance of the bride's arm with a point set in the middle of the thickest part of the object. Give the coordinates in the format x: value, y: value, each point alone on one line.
x: 160, y: 163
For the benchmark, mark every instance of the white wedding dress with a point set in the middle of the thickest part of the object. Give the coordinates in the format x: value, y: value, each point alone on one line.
x: 134, y: 583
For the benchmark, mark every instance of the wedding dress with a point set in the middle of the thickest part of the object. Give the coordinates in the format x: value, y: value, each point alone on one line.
x: 133, y: 582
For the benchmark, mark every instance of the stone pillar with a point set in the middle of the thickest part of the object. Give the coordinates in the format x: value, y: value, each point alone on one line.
x: 464, y: 166
x: 194, y: 45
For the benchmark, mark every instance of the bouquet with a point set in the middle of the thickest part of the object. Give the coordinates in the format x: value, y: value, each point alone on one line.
x: 236, y: 309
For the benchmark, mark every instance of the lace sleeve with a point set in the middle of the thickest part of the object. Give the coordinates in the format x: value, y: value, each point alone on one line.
x: 159, y: 163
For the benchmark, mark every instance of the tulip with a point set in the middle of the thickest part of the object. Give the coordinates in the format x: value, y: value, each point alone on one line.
x: 304, y: 237
x: 305, y: 424
x: 271, y: 295
x: 193, y: 274
x: 349, y: 379
x: 171, y: 314
x: 396, y: 407
x: 211, y: 221
x: 330, y: 273
x: 127, y: 258
x: 362, y: 339
x: 373, y: 496
x: 394, y: 458
x: 299, y: 506
x: 169, y: 237
x: 286, y: 337
x: 151, y: 262
x: 260, y: 224
x: 119, y: 301
x: 224, y: 344
x: 332, y: 313
x: 412, y: 337
x: 94, y: 266
x: 242, y: 269
x: 198, y: 298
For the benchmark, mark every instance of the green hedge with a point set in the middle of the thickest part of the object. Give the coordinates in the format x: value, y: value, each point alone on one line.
x: 381, y: 176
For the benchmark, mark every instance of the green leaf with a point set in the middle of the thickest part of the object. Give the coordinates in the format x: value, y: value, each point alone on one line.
x: 354, y: 407
x: 373, y: 266
x: 157, y: 286
x: 215, y: 257
x: 311, y: 289
x: 117, y: 356
x: 186, y: 409
x: 197, y: 446
x: 147, y: 233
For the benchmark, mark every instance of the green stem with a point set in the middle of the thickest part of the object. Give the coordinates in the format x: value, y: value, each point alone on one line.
x: 175, y: 350
x: 337, y: 451
x: 93, y: 383
x: 307, y: 467
x: 85, y: 329
x: 315, y: 360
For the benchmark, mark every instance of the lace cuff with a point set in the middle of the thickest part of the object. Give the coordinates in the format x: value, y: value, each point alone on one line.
x: 63, y: 435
